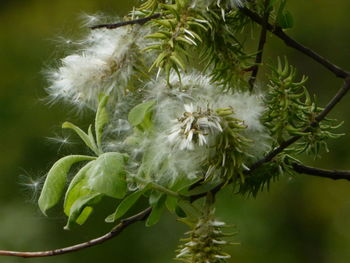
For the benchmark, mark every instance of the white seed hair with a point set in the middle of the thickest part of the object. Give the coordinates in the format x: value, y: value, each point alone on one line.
x: 103, y: 64
x: 176, y: 143
x: 196, y: 91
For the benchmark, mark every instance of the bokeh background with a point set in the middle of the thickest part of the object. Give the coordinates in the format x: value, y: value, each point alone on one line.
x: 301, y: 219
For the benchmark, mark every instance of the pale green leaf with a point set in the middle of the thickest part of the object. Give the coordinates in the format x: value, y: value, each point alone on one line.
x: 171, y: 203
x: 88, y: 140
x: 56, y: 180
x: 178, y: 60
x: 140, y: 112
x: 84, y: 215
x: 107, y: 175
x: 101, y: 120
x: 77, y: 188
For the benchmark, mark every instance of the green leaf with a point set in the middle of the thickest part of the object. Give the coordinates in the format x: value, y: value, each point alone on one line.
x: 157, y: 210
x: 188, y: 208
x: 182, y: 183
x: 178, y: 60
x: 88, y: 140
x: 155, y: 197
x: 285, y: 20
x: 171, y: 203
x: 141, y: 113
x: 179, y: 212
x: 84, y: 215
x: 107, y: 175
x: 125, y: 205
x: 56, y: 181
x: 101, y: 120
x: 78, y: 210
x: 77, y: 188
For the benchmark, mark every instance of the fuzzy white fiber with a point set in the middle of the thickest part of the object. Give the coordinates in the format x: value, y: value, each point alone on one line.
x: 166, y: 154
x: 197, y: 91
x: 103, y: 64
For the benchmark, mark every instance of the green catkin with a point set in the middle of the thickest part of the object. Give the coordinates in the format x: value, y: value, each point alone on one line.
x: 205, y: 242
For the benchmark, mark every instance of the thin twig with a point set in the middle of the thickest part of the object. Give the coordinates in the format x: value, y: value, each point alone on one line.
x: 335, y: 100
x: 332, y: 174
x: 332, y: 103
x: 273, y: 153
x: 139, y: 21
x: 113, y: 233
x: 261, y: 45
x: 278, y: 31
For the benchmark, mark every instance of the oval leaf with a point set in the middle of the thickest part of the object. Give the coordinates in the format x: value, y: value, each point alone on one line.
x: 171, y: 203
x: 107, y: 175
x: 77, y: 188
x: 140, y: 112
x: 125, y: 205
x: 157, y: 211
x: 56, y: 181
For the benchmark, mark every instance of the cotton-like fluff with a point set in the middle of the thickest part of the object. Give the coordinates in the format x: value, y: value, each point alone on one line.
x: 103, y: 64
x: 165, y: 164
x: 187, y: 114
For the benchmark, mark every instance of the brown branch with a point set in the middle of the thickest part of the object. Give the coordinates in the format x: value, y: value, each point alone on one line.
x: 261, y: 45
x: 139, y: 21
x: 113, y: 233
x: 331, y: 174
x: 278, y: 31
x: 332, y: 103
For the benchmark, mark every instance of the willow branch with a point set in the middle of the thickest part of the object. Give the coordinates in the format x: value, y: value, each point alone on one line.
x: 331, y: 174
x: 332, y: 103
x: 278, y: 31
x: 267, y: 158
x: 261, y: 45
x: 113, y: 233
x: 139, y: 21
x: 335, y: 100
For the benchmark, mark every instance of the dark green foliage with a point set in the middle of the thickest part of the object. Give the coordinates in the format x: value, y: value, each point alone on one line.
x: 288, y: 103
x: 222, y: 52
x: 261, y: 179
x: 291, y: 112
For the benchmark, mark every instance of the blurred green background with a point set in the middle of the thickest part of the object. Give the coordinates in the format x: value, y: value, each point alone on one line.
x: 301, y: 219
